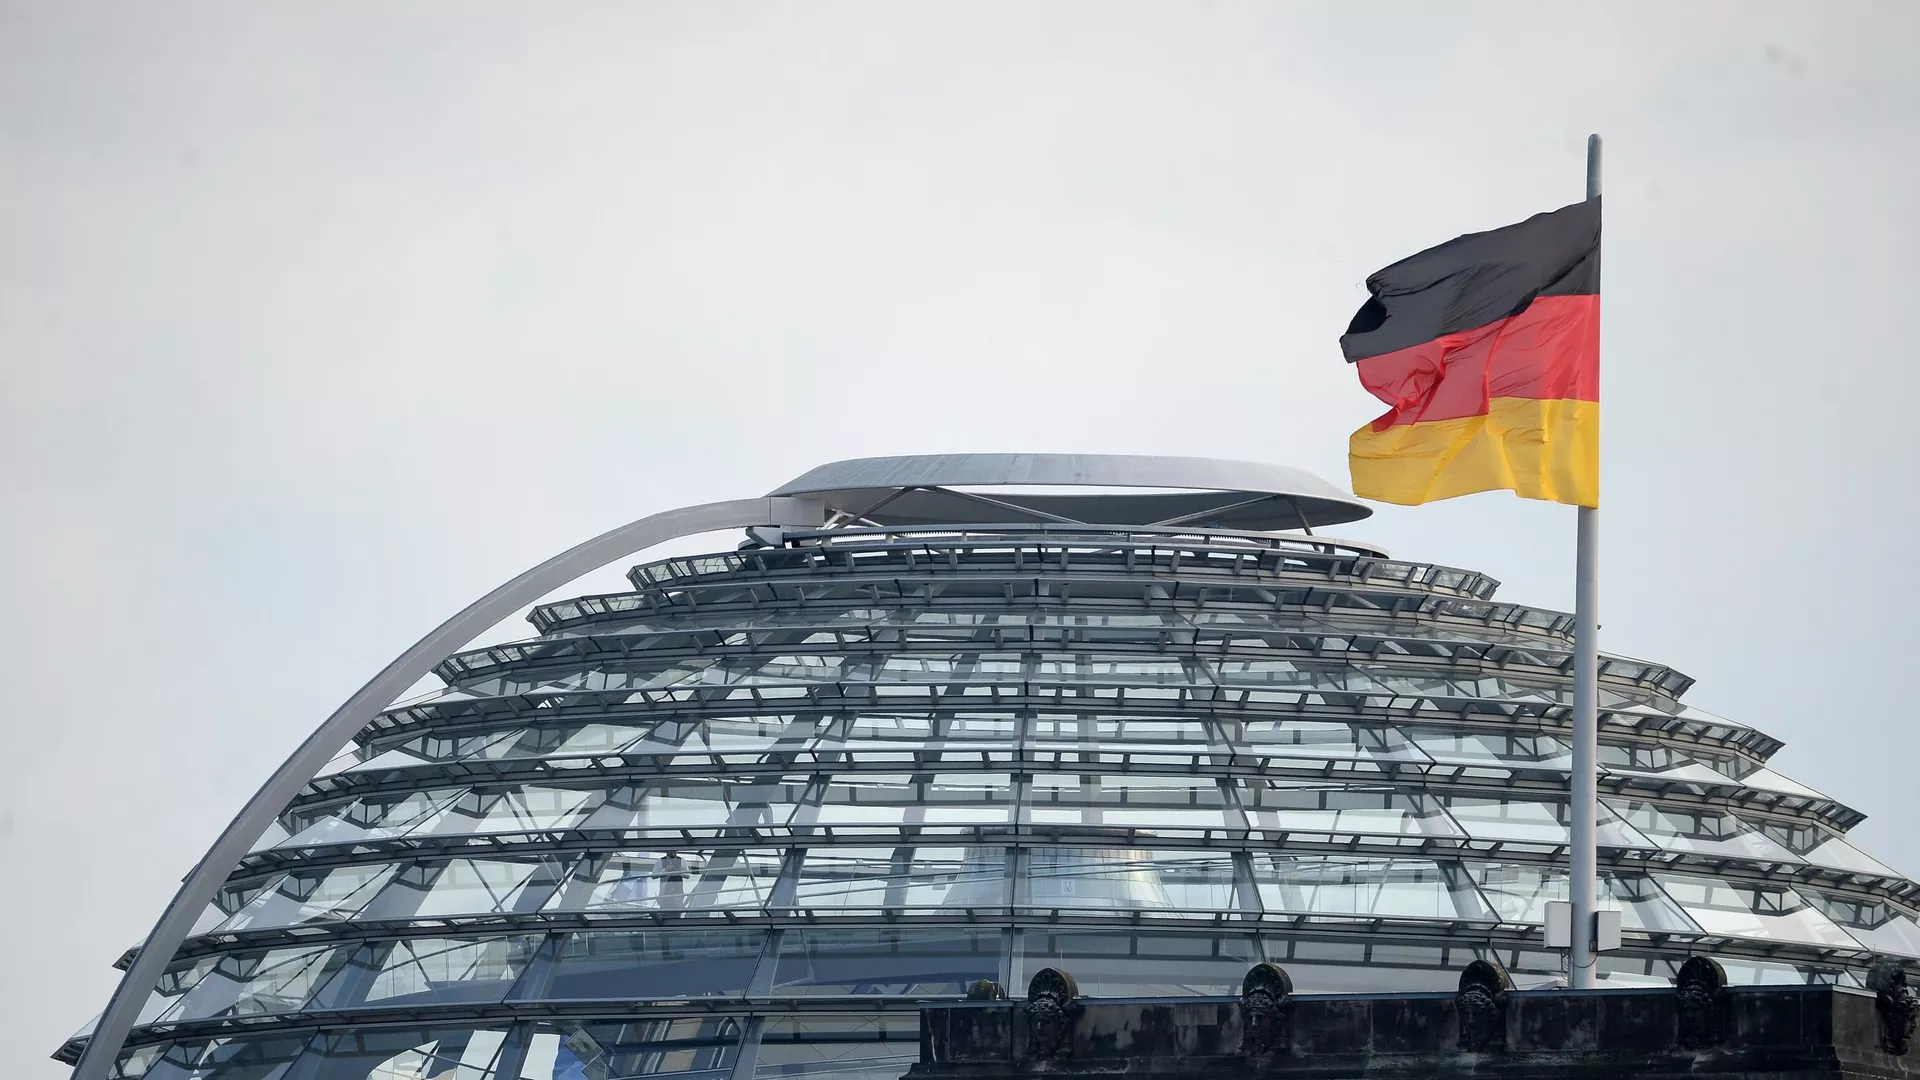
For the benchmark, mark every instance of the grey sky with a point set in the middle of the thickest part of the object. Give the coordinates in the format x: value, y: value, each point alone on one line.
x: 319, y: 320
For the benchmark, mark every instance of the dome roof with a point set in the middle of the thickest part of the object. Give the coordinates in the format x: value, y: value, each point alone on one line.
x: 743, y: 818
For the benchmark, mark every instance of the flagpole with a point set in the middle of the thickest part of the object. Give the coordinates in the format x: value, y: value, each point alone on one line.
x: 1582, y: 876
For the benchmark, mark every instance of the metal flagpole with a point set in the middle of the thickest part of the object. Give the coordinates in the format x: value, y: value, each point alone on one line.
x: 1581, y: 876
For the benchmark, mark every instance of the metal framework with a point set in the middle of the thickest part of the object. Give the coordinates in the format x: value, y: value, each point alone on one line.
x: 739, y: 820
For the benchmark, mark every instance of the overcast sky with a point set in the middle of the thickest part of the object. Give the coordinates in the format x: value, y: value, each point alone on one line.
x: 319, y: 320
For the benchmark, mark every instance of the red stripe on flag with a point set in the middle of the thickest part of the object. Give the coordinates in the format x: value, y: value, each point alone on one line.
x: 1550, y: 352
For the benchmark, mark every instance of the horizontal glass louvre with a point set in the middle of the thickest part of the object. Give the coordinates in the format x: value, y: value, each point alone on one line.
x: 1511, y: 750
x: 1700, y: 830
x: 1820, y: 847
x: 701, y: 802
x: 1753, y: 911
x: 1520, y: 892
x: 1320, y: 740
x: 313, y: 896
x: 653, y: 964
x: 1485, y: 817
x: 896, y: 798
x: 1120, y: 879
x: 428, y: 971
x: 889, y: 962
x: 1343, y: 810
x: 1343, y: 886
x: 1127, y: 801
x: 273, y: 981
x: 903, y: 879
x: 670, y: 879
x: 392, y: 1054
x: 1141, y: 963
x: 1877, y: 924
x: 683, y: 1049
x: 374, y: 818
x: 493, y: 886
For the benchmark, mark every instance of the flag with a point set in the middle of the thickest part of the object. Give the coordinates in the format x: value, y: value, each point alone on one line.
x: 1487, y: 351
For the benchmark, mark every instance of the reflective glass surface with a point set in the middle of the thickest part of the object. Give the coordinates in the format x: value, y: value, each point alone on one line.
x: 740, y: 820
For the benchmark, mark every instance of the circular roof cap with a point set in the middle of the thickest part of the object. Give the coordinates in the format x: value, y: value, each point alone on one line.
x: 1124, y: 489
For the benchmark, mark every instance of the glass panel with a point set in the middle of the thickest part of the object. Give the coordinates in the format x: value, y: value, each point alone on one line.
x: 1775, y: 914
x: 528, y: 809
x: 1835, y: 852
x: 491, y: 886
x: 254, y: 1058
x: 273, y: 981
x: 1141, y: 963
x: 703, y: 802
x: 1700, y: 830
x: 438, y: 748
x: 228, y: 902
x: 1528, y: 820
x: 1127, y: 801
x: 1661, y: 762
x: 1518, y: 750
x: 374, y: 818
x: 680, y: 880
x: 1319, y: 739
x: 1096, y: 738
x: 421, y: 971
x: 344, y: 760
x: 1519, y: 893
x: 166, y: 994
x: 922, y: 731
x: 1080, y: 879
x: 314, y: 896
x: 895, y: 798
x: 1874, y: 923
x: 981, y: 667
x: 433, y: 1054
x: 134, y: 1063
x: 1767, y: 780
x: 1342, y: 809
x: 1820, y: 847
x: 1136, y: 669
x: 1340, y: 885
x: 688, y: 1048
x: 654, y: 964
x: 578, y: 739
x: 1337, y: 677
x: 741, y: 738
x: 901, y: 879
x: 931, y: 963
x: 869, y: 1047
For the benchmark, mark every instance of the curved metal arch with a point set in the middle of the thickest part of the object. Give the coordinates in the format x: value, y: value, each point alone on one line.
x: 197, y: 890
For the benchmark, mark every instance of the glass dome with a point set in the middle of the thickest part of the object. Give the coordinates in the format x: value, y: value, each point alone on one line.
x: 740, y: 821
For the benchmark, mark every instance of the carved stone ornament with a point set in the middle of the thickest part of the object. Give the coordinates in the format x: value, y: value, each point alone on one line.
x: 1697, y: 990
x: 1266, y: 997
x: 1052, y: 1001
x: 1482, y: 1004
x: 986, y: 990
x: 1898, y: 1006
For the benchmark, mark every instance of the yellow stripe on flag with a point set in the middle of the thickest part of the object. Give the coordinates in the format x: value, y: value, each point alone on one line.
x: 1539, y: 449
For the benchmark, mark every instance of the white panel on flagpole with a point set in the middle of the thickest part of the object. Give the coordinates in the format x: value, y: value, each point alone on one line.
x: 1606, y: 930
x: 1559, y: 924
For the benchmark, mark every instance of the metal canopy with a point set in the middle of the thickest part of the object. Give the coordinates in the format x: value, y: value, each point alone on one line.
x: 924, y: 489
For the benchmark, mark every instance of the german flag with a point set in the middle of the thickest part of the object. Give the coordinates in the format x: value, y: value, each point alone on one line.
x: 1487, y: 350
